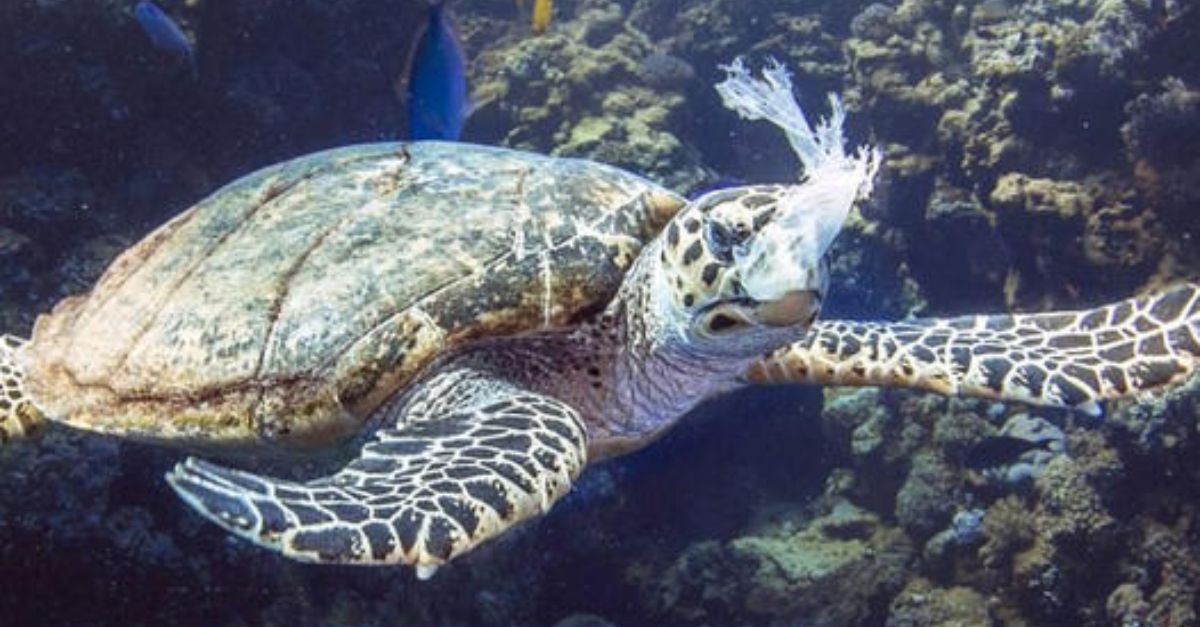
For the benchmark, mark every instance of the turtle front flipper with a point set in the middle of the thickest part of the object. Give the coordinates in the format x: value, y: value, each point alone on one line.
x: 1064, y: 359
x: 466, y: 457
x: 19, y: 417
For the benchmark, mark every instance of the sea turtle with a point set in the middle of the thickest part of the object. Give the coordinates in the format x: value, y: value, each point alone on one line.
x: 501, y: 318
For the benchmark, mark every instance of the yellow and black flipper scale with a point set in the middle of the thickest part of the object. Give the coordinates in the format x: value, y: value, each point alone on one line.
x: 1060, y: 359
x: 469, y: 456
x: 19, y: 417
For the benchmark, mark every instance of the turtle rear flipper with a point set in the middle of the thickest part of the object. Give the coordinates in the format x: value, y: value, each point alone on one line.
x: 19, y: 417
x: 1064, y: 359
x: 468, y: 457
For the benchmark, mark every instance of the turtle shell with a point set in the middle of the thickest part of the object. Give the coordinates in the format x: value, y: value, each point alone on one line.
x: 290, y: 304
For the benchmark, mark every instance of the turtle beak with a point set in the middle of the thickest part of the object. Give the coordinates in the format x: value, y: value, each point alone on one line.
x: 796, y: 307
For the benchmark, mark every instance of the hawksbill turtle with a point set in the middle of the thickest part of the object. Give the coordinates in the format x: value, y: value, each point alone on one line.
x: 499, y: 319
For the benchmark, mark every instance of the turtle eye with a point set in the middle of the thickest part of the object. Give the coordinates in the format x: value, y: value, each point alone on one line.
x: 720, y: 240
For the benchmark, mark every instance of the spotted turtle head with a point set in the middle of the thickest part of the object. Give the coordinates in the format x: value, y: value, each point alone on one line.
x: 744, y: 268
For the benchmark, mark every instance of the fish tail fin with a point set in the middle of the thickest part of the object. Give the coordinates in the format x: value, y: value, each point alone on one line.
x: 20, y: 419
x: 542, y: 12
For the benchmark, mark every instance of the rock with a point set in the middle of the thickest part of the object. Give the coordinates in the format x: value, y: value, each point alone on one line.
x: 964, y: 534
x: 922, y: 604
x: 661, y: 70
x: 828, y: 573
x: 1065, y: 232
x: 961, y: 255
x: 544, y: 94
x: 927, y: 500
x: 1039, y: 154
x: 1019, y: 193
x: 1127, y: 606
x: 1162, y: 126
x: 1008, y: 528
x: 873, y: 23
x: 902, y: 193
x: 1164, y: 427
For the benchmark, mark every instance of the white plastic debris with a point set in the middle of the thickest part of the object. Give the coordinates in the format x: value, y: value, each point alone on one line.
x: 811, y: 217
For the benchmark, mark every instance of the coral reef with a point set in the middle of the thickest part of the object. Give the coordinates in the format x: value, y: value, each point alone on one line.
x: 998, y: 97
x: 922, y: 604
x: 1009, y: 529
x: 835, y: 570
x: 1161, y: 125
x: 1039, y: 154
x: 541, y: 94
x: 926, y: 500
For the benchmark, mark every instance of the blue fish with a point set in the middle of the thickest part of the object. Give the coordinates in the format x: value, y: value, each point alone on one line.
x: 436, y: 92
x: 165, y: 33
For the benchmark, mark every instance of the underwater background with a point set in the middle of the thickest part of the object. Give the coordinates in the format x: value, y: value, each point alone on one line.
x: 1041, y: 154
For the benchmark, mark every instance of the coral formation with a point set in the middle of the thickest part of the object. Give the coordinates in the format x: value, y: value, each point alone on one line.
x: 1039, y: 154
x: 1009, y: 529
x: 997, y: 95
x: 925, y: 503
x: 923, y: 604
x: 833, y: 571
x: 540, y: 94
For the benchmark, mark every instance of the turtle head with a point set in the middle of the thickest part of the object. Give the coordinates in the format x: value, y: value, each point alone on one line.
x: 745, y: 268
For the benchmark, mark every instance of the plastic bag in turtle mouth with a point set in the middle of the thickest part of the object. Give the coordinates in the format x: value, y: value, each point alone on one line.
x: 786, y: 255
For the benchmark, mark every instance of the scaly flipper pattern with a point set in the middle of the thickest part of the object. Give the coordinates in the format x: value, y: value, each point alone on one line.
x: 468, y: 457
x: 1063, y: 359
x: 19, y: 417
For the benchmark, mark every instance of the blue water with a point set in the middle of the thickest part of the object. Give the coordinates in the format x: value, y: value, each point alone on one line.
x: 1039, y: 155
